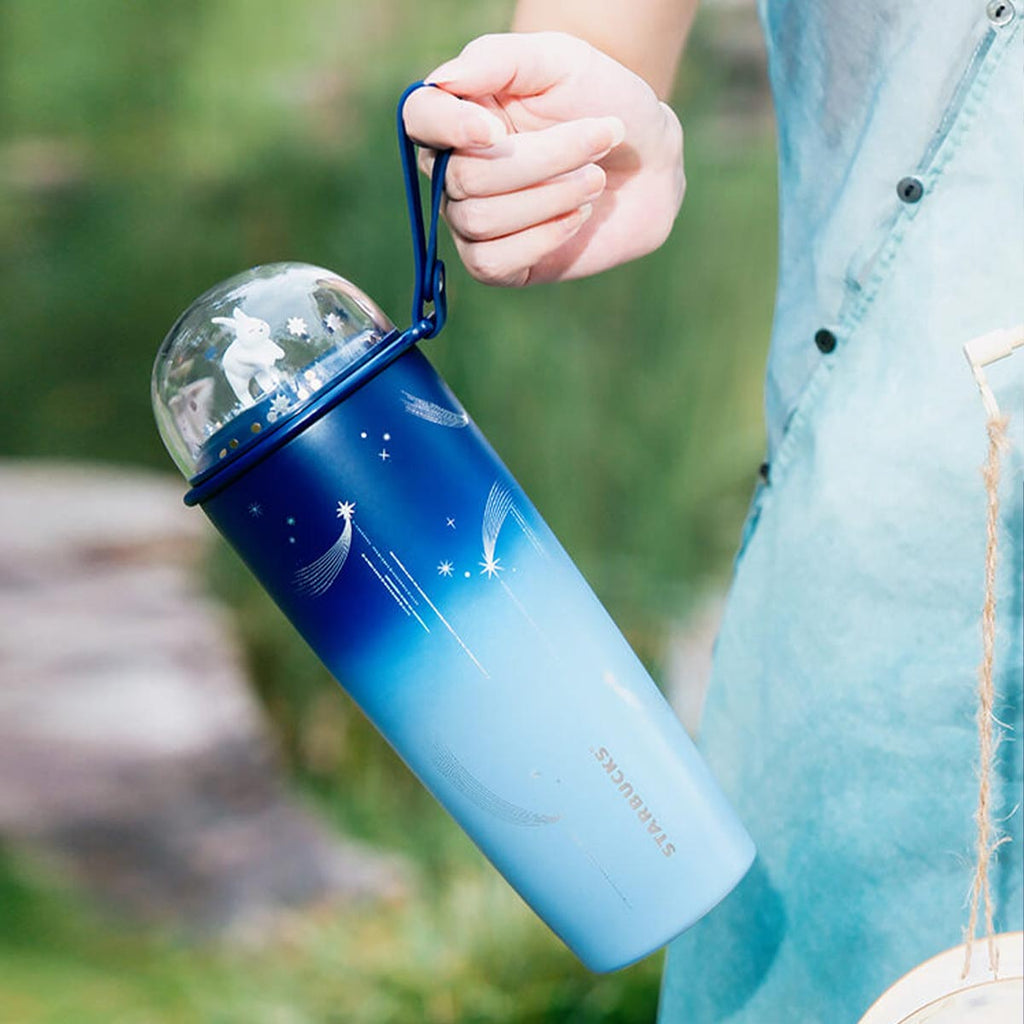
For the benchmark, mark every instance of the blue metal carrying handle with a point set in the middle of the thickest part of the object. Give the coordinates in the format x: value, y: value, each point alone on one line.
x: 429, y: 285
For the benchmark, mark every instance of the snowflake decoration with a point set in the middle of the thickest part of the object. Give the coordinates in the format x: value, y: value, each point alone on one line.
x: 332, y: 322
x: 346, y: 510
x: 278, y: 407
x: 491, y: 567
x: 444, y: 569
x: 256, y: 510
x: 297, y: 326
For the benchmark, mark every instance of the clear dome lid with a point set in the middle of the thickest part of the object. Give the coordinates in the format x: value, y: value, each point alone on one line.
x: 250, y: 353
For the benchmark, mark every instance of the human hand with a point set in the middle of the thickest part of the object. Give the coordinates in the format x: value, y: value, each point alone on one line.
x: 565, y: 163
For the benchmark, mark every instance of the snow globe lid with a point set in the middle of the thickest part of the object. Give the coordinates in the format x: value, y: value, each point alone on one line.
x: 253, y: 351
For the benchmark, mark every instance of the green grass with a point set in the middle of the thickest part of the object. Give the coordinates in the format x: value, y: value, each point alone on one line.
x: 465, y: 951
x: 149, y: 150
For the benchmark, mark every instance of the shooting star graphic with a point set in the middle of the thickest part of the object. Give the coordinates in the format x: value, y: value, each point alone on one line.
x: 392, y: 583
x: 433, y: 607
x: 318, y: 577
x: 434, y: 413
x: 499, y: 501
x: 498, y: 508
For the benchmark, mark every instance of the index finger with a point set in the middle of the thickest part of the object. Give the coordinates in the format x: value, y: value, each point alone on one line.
x: 436, y: 118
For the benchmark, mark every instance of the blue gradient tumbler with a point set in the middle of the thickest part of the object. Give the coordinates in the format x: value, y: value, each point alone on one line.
x: 334, y: 459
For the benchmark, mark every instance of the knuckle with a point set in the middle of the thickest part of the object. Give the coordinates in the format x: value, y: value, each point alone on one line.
x: 472, y: 219
x: 569, y: 43
x: 458, y: 181
x: 487, y: 266
x: 482, y: 44
x: 562, y: 45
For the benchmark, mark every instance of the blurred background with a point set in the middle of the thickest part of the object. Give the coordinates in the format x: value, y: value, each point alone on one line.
x: 196, y: 824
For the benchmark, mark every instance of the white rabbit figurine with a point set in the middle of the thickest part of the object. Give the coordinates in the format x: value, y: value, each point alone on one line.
x: 251, y: 356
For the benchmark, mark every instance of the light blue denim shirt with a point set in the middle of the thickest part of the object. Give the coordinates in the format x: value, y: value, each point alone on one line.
x: 840, y: 717
x: 869, y: 94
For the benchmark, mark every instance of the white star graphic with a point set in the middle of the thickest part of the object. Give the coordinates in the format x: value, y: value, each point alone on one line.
x: 255, y: 510
x: 384, y: 455
x: 491, y: 567
x: 278, y: 407
x: 346, y: 509
x: 297, y: 326
x: 444, y: 569
x: 451, y: 522
x: 332, y: 322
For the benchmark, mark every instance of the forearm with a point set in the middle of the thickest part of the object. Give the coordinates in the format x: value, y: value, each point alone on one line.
x: 647, y: 36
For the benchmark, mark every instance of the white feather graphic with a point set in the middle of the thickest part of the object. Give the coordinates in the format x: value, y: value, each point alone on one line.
x: 486, y: 799
x: 318, y: 577
x: 434, y: 413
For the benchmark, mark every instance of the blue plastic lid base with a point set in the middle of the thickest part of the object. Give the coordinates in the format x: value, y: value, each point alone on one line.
x: 205, y: 485
x: 291, y: 395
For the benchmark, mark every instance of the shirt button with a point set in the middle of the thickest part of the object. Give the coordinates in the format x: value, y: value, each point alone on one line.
x: 909, y: 190
x: 764, y: 471
x: 825, y: 340
x: 1000, y: 12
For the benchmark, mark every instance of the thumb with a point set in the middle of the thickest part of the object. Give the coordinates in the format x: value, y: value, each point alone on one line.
x: 517, y: 63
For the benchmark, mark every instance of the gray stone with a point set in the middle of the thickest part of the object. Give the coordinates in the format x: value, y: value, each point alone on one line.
x: 133, y: 755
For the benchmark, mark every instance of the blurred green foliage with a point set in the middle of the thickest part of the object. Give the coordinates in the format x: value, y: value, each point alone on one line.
x: 466, y: 952
x: 148, y: 150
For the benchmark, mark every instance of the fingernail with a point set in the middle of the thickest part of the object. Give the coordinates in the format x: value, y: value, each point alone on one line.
x: 594, y: 180
x: 618, y: 130
x: 584, y: 212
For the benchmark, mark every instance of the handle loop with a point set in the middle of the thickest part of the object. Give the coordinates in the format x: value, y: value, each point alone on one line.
x: 429, y: 283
